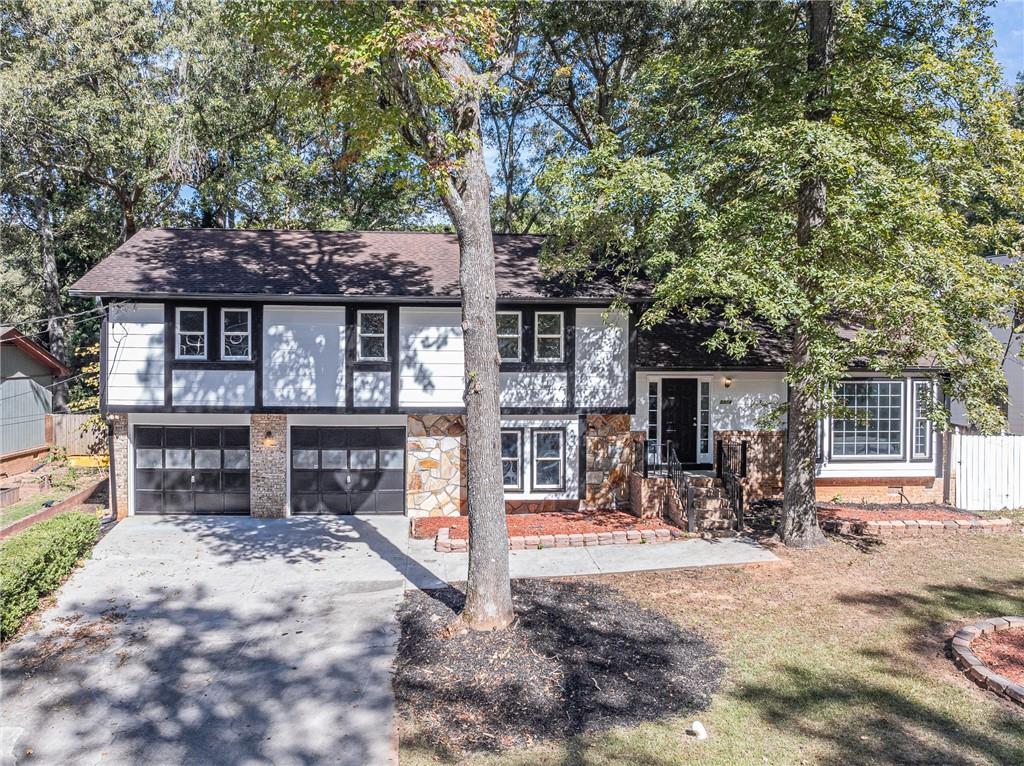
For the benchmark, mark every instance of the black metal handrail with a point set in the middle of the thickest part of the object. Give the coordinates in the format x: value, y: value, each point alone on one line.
x: 732, y: 469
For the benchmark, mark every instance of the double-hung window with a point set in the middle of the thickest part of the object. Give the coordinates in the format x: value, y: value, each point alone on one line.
x: 510, y: 335
x: 548, y: 458
x: 548, y: 341
x: 512, y: 459
x: 236, y: 334
x: 871, y: 422
x: 190, y: 333
x: 372, y: 336
x: 922, y: 428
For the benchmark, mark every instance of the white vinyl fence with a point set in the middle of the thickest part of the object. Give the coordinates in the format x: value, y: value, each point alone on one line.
x: 989, y: 471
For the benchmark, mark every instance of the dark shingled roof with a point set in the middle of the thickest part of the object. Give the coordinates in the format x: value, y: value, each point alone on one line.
x: 365, y: 264
x: 678, y: 344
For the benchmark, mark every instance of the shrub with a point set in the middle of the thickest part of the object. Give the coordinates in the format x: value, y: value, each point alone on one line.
x: 34, y: 562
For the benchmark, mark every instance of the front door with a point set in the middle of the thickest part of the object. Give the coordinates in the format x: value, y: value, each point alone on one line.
x: 679, y: 418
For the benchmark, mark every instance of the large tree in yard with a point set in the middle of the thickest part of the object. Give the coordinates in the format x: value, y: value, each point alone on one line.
x: 409, y: 78
x: 829, y: 171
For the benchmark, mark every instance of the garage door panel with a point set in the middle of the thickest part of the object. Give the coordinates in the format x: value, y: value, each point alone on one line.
x: 351, y: 470
x: 177, y: 480
x: 235, y: 482
x: 207, y: 437
x: 149, y: 479
x: 178, y: 437
x: 391, y: 480
x: 206, y: 481
x: 149, y: 502
x: 149, y: 437
x: 178, y: 502
x: 236, y: 503
x: 236, y: 437
x: 209, y: 502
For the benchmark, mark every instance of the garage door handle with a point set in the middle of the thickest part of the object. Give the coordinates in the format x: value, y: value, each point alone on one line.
x: 193, y: 478
x: 348, y: 479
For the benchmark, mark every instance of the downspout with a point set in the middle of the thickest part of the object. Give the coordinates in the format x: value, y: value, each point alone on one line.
x: 112, y: 473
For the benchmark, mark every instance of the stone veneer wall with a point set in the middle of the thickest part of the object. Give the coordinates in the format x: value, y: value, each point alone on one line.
x: 609, y: 448
x: 268, y: 461
x: 765, y: 453
x: 119, y: 462
x: 435, y: 455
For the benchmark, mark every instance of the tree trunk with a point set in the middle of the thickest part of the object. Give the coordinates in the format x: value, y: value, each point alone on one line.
x: 799, y: 524
x: 488, y: 589
x: 51, y: 290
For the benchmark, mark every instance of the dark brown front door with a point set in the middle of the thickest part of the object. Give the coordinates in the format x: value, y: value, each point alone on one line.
x: 348, y: 470
x: 679, y: 418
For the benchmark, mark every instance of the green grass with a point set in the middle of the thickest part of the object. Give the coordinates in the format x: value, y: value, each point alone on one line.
x: 23, y: 508
x: 835, y: 656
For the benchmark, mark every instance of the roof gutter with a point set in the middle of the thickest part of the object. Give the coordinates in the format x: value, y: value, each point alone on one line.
x: 338, y: 298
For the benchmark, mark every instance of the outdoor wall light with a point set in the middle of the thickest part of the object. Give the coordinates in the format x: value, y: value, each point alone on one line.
x: 726, y: 381
x: 268, y: 439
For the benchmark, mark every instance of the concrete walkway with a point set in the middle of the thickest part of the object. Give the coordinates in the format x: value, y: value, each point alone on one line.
x: 236, y: 640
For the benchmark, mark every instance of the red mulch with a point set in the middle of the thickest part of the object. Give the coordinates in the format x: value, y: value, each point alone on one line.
x: 1003, y: 652
x: 559, y: 523
x: 890, y: 512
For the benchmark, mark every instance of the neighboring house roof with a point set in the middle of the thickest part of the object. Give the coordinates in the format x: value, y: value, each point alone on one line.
x: 10, y: 334
x: 315, y: 264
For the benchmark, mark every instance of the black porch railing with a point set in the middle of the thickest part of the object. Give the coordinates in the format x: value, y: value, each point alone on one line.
x: 732, y: 469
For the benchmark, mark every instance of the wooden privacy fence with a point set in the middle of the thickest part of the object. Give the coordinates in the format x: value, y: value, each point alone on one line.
x: 79, y: 433
x: 989, y: 471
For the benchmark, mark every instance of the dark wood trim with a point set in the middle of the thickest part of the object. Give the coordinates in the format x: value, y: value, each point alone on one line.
x: 256, y: 349
x: 394, y: 353
x: 533, y: 458
x: 631, y: 357
x: 581, y: 462
x: 569, y: 354
x: 104, y: 369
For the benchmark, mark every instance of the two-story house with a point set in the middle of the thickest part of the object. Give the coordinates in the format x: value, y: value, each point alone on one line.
x: 281, y: 373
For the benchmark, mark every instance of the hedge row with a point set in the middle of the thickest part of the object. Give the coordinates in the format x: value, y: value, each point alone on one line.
x: 34, y: 562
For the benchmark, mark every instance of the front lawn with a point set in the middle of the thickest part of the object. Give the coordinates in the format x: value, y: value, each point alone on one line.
x: 23, y: 508
x: 834, y: 656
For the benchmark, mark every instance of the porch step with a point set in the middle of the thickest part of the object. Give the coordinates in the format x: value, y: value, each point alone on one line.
x: 709, y: 503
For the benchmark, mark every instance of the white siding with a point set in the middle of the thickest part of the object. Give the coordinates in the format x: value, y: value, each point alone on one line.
x: 371, y: 389
x: 135, y: 354
x: 213, y: 388
x: 602, y: 358
x: 748, y: 398
x: 572, y: 457
x: 430, y: 351
x: 304, y: 356
x: 534, y: 389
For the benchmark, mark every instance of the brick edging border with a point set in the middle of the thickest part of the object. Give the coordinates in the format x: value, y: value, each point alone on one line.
x: 916, y: 528
x: 67, y: 504
x: 974, y: 668
x: 444, y: 543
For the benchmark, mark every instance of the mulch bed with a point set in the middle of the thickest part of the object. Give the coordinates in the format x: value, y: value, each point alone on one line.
x: 557, y: 523
x: 1002, y: 652
x: 579, y: 658
x: 891, y: 512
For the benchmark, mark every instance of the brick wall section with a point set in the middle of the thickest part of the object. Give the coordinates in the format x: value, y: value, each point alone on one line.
x: 609, y: 448
x: 897, y: 489
x: 268, y: 458
x: 119, y: 461
x: 435, y: 456
x: 765, y: 454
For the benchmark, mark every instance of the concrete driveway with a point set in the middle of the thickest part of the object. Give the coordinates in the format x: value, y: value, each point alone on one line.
x: 216, y: 641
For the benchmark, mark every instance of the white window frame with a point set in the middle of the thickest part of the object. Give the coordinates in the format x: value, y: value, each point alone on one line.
x: 918, y: 414
x: 518, y: 336
x: 360, y: 335
x: 178, y: 333
x: 518, y: 486
x: 537, y: 337
x: 902, y: 432
x: 224, y: 334
x: 535, y: 485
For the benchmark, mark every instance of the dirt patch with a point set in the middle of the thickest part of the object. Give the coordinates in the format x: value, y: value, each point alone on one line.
x: 891, y: 512
x: 560, y: 523
x: 581, y: 657
x: 1002, y: 652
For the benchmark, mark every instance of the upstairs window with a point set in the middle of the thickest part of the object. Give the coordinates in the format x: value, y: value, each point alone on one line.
x: 548, y: 459
x: 512, y: 459
x: 372, y: 336
x: 510, y: 336
x: 548, y: 339
x: 236, y: 334
x: 190, y: 329
x: 874, y: 427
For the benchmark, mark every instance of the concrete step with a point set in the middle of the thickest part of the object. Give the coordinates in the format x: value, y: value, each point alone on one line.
x: 708, y: 504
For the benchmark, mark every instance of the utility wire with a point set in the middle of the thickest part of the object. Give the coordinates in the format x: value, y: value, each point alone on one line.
x: 93, y: 310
